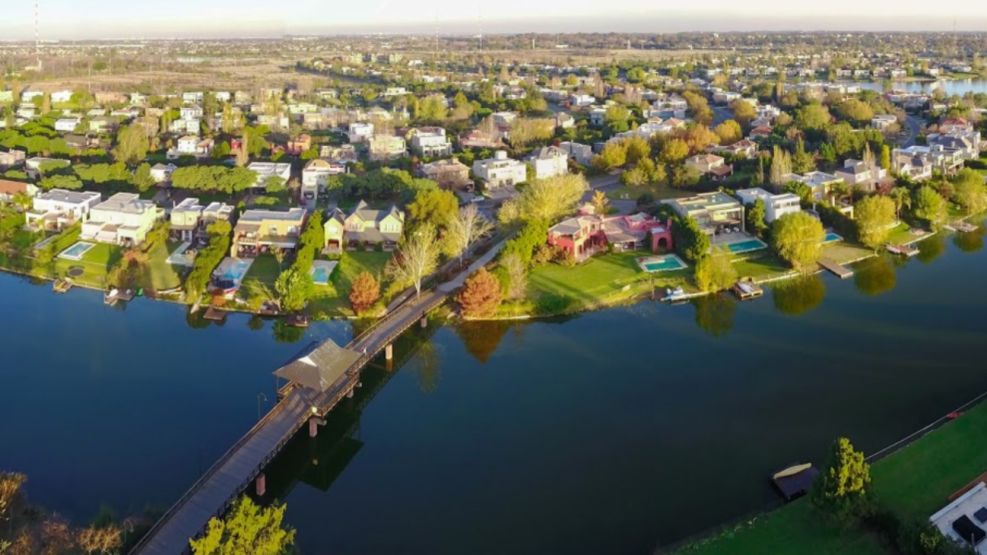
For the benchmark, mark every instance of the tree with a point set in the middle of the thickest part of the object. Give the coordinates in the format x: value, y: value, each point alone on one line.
x: 466, y: 228
x: 855, y: 110
x: 875, y: 215
x: 517, y: 276
x: 616, y: 117
x: 886, y: 157
x: 601, y: 204
x: 637, y: 148
x: 207, y: 259
x: 142, y: 177
x: 416, y: 259
x: 103, y: 539
x: 545, y: 200
x: 928, y: 205
x: 525, y: 131
x: 902, y: 199
x: 294, y: 288
x: 969, y: 191
x: 743, y: 111
x: 715, y: 272
x: 691, y: 242
x: 248, y: 528
x: 842, y: 488
x: 70, y: 182
x: 813, y: 117
x: 613, y: 155
x: 729, y: 132
x: 802, y: 161
x: 132, y: 145
x: 781, y: 166
x: 798, y: 239
x: 480, y: 295
x: 756, y: 214
x: 364, y: 292
x: 433, y: 206
x: 674, y: 151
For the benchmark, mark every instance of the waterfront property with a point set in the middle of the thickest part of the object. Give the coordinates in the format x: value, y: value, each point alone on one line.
x: 189, y: 219
x: 228, y: 276
x: 775, y: 206
x: 76, y: 251
x: 322, y: 271
x: 715, y: 212
x: 123, y: 219
x: 57, y: 209
x: 369, y: 227
x: 260, y: 231
x: 740, y: 243
x: 587, y: 234
x: 964, y: 518
x: 821, y: 184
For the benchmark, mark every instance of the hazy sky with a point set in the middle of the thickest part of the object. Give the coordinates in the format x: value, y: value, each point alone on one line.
x: 183, y: 18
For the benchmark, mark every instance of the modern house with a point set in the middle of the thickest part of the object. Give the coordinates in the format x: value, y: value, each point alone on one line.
x: 360, y: 132
x: 123, y: 219
x: 267, y: 170
x: 744, y: 148
x: 715, y: 212
x: 963, y: 520
x: 917, y: 162
x: 775, y: 206
x: 161, y: 173
x: 883, y: 122
x: 386, y: 147
x: 820, y: 183
x: 449, y: 174
x: 57, y: 209
x: 500, y: 171
x: 189, y: 218
x: 67, y: 125
x: 191, y: 145
x: 858, y: 174
x: 430, y: 142
x: 549, y: 161
x: 370, y: 227
x: 260, y: 231
x: 9, y: 189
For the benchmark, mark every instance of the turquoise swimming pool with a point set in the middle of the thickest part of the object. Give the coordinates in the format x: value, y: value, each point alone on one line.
x: 832, y: 237
x: 747, y: 245
x: 653, y: 264
x: 322, y: 270
x: 76, y: 251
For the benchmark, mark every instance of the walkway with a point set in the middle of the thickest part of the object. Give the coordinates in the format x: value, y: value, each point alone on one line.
x: 234, y: 472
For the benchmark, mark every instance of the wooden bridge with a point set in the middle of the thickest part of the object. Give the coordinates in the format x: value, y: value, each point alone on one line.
x: 307, y: 400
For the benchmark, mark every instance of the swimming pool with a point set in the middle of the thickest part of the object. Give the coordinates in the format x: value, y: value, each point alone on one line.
x: 832, y: 237
x: 76, y: 251
x: 233, y: 269
x: 747, y: 245
x: 667, y: 263
x: 322, y: 270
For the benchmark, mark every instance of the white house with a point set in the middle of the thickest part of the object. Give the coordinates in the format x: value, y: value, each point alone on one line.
x: 58, y: 208
x: 549, y: 161
x: 191, y: 145
x: 820, y: 183
x: 582, y: 154
x: 430, y: 142
x: 580, y: 100
x: 162, y: 172
x: 60, y: 97
x: 316, y: 173
x: 360, y: 132
x: 883, y: 122
x: 859, y: 174
x: 500, y: 170
x: 964, y: 519
x: 123, y: 219
x: 66, y: 125
x: 775, y: 206
x: 265, y: 170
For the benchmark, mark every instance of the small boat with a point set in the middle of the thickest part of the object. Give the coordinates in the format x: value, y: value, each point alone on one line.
x: 745, y: 289
x: 675, y: 295
x: 795, y: 481
x: 954, y: 415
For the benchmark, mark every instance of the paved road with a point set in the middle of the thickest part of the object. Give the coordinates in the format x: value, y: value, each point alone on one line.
x: 913, y: 126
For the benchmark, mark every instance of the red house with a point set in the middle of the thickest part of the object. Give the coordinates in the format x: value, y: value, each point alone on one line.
x: 586, y: 235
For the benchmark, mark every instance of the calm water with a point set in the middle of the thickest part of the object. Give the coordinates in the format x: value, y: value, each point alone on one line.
x: 949, y: 86
x: 616, y: 431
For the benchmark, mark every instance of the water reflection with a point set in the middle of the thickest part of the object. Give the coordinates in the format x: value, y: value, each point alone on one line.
x: 481, y: 339
x: 970, y: 242
x: 284, y: 333
x: 429, y: 369
x: 931, y: 248
x: 714, y: 313
x: 800, y: 295
x: 875, y: 276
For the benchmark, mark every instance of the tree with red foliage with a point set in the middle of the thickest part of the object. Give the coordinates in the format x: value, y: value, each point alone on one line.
x: 364, y: 292
x: 481, y: 295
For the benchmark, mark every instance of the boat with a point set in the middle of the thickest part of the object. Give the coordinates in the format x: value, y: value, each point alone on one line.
x: 903, y: 250
x: 954, y: 415
x: 745, y: 289
x: 675, y: 295
x: 795, y: 481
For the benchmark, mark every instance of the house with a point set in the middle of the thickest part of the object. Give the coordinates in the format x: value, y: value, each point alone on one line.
x: 820, y: 183
x: 775, y: 206
x: 123, y: 219
x: 161, y: 173
x: 760, y: 132
x: 715, y: 212
x: 189, y: 218
x: 12, y: 158
x: 57, y: 209
x: 61, y: 97
x: 189, y: 113
x: 744, y: 148
x: 858, y: 174
x: 430, y: 142
x: 449, y: 174
x: 965, y: 144
x: 963, y: 520
x: 883, y: 122
x: 500, y: 170
x: 477, y: 138
x: 564, y: 121
x: 268, y: 170
x: 191, y: 145
x: 580, y: 100
x: 8, y: 189
x: 584, y: 235
x: 367, y: 226
x: 360, y: 132
x: 582, y: 154
x: 343, y: 154
x: 334, y: 231
x: 386, y: 147
x: 67, y: 125
x: 316, y: 173
x: 298, y: 145
x: 549, y: 161
x: 710, y: 164
x: 192, y: 126
x: 918, y: 162
x: 598, y: 116
x: 260, y: 231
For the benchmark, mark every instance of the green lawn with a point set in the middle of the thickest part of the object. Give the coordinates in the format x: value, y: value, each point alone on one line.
x: 96, y: 263
x: 913, y: 483
x: 265, y: 269
x: 603, y: 280
x: 331, y: 300
x: 162, y: 276
x: 764, y: 266
x: 657, y: 191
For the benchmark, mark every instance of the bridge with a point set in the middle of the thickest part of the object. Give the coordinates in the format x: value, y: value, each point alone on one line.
x: 318, y: 381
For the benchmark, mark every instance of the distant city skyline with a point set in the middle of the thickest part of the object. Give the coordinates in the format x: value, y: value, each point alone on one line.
x: 65, y: 19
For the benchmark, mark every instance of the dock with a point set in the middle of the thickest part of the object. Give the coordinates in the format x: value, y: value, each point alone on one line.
x: 836, y: 268
x: 903, y: 250
x: 113, y: 296
x: 745, y: 289
x: 962, y: 227
x: 318, y: 380
x: 214, y: 314
x: 61, y: 286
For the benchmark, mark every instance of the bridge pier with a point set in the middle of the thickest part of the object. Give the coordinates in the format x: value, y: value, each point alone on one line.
x: 261, y: 484
x: 313, y: 427
x: 389, y: 352
x: 424, y: 322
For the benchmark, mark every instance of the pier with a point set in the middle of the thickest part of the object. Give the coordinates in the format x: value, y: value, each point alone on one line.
x: 836, y: 268
x: 318, y: 380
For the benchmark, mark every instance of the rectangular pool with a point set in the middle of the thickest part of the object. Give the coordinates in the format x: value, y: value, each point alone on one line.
x: 76, y: 251
x: 747, y: 245
x: 230, y: 272
x: 666, y: 263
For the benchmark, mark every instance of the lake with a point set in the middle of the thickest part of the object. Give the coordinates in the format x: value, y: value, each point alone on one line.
x: 616, y: 431
x: 949, y: 86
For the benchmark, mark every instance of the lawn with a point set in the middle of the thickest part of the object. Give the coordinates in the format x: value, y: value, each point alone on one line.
x: 95, y: 265
x: 332, y: 300
x: 657, y: 191
x: 913, y: 483
x: 162, y: 276
x: 265, y: 269
x: 763, y: 266
x: 602, y: 281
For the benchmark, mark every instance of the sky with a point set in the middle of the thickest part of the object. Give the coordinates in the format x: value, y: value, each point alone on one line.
x: 114, y: 19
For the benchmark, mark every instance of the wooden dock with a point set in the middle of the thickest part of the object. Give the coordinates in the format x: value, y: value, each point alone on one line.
x: 836, y: 268
x: 213, y: 493
x: 745, y: 289
x: 903, y: 250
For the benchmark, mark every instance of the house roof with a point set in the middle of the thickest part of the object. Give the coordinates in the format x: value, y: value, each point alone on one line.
x: 8, y: 187
x: 319, y: 366
x: 367, y: 214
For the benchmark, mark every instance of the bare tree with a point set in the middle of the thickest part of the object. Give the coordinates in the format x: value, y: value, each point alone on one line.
x: 468, y: 227
x: 517, y: 275
x: 417, y: 258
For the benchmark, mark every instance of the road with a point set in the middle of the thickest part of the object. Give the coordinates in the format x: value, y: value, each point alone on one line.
x: 913, y: 126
